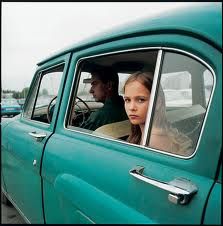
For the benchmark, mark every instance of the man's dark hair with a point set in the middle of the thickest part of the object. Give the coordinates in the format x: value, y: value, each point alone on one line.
x: 107, y: 74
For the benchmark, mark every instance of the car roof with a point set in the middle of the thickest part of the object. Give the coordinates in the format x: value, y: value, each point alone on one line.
x: 202, y: 21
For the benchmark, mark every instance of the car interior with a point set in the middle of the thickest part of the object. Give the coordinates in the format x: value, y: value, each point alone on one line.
x: 82, y: 106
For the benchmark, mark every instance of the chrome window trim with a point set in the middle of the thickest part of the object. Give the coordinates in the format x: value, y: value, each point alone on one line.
x: 152, y: 97
x: 156, y: 69
x: 41, y: 72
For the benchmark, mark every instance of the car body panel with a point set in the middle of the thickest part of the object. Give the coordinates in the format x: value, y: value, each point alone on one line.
x: 22, y: 156
x: 106, y: 167
x: 214, y: 203
x: 21, y: 177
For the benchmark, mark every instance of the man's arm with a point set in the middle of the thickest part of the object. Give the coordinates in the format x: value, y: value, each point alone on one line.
x: 93, y: 122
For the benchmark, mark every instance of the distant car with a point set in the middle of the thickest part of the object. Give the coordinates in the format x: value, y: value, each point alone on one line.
x: 55, y: 171
x: 21, y: 101
x: 10, y: 107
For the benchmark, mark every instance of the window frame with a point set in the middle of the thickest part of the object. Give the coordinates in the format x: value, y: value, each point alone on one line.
x: 37, y: 82
x: 157, y: 75
x: 152, y: 106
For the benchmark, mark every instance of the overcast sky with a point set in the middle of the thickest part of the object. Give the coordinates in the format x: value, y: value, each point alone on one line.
x: 32, y: 31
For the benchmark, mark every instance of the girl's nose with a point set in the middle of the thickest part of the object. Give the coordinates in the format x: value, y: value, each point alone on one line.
x: 132, y: 106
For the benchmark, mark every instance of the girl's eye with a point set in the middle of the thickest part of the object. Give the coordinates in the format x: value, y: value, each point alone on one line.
x: 141, y: 100
x: 126, y: 100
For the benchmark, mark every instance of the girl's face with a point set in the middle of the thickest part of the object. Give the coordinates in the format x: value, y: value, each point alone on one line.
x: 136, y: 99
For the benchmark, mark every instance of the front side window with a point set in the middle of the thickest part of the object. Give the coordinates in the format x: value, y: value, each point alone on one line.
x: 181, y: 103
x: 97, y: 105
x: 42, y: 100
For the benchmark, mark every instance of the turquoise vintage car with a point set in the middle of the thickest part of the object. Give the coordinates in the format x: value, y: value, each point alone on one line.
x: 55, y: 171
x: 10, y: 107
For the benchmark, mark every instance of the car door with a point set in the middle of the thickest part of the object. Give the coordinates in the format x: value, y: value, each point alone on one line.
x: 89, y: 178
x: 215, y: 201
x: 26, y: 137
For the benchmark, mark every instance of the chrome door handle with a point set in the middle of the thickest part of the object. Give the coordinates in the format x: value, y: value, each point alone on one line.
x: 181, y: 190
x: 38, y: 136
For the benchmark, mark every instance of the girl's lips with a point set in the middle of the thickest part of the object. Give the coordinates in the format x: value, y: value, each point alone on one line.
x: 133, y: 116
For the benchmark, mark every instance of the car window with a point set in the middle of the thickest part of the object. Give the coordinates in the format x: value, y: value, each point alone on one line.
x: 181, y: 104
x: 89, y: 112
x: 42, y: 100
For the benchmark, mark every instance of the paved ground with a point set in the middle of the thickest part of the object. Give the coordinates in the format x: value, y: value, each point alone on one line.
x: 9, y: 215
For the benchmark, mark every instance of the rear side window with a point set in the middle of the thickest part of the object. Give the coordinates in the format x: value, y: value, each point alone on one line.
x: 181, y: 104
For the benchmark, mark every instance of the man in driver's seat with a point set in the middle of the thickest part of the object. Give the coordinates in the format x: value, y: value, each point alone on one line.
x: 104, y: 88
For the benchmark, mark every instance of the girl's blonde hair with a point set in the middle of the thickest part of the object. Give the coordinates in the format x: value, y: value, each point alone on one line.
x: 180, y: 143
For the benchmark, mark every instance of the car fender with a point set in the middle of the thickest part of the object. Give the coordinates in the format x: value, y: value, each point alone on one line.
x: 88, y: 199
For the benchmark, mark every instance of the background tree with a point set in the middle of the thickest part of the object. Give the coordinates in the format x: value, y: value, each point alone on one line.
x: 15, y: 94
x: 24, y: 92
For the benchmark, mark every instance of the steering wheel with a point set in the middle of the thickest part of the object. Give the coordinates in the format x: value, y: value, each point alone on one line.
x: 74, y: 115
x: 82, y: 112
x: 49, y: 116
